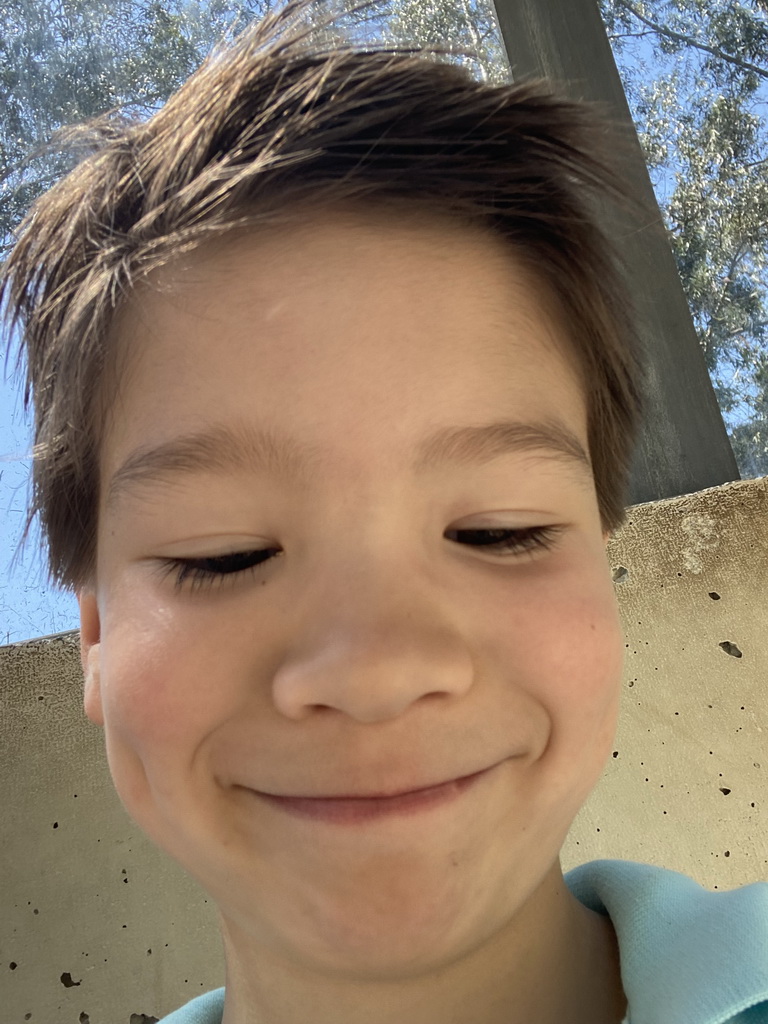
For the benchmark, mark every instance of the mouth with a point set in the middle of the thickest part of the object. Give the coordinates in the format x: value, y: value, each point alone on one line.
x: 349, y: 810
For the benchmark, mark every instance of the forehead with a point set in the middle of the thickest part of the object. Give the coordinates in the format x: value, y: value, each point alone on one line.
x: 367, y: 257
x: 339, y: 322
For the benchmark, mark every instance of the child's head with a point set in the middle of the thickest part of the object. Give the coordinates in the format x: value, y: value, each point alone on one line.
x: 371, y: 289
x: 276, y: 125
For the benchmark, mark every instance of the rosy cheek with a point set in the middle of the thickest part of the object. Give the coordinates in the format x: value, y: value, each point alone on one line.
x: 153, y: 728
x: 155, y: 689
x: 569, y: 645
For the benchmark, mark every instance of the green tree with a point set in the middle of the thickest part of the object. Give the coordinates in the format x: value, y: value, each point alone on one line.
x: 63, y: 61
x: 696, y: 77
x: 468, y: 25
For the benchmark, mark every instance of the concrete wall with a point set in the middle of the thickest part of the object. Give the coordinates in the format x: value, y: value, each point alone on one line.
x: 100, y: 927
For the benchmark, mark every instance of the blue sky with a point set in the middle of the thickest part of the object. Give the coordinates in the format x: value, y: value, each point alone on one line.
x: 29, y: 607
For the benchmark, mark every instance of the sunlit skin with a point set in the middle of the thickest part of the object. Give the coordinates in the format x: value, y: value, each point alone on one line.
x: 374, y: 653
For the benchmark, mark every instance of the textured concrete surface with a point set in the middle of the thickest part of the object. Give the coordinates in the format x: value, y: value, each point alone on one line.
x: 687, y: 787
x: 100, y: 927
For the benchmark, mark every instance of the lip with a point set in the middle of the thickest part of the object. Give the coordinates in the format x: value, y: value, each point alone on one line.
x: 349, y: 810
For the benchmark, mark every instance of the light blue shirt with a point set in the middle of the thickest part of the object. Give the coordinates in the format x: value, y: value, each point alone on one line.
x: 688, y: 955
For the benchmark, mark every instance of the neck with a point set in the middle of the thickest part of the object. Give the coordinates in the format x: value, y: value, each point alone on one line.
x: 568, y: 972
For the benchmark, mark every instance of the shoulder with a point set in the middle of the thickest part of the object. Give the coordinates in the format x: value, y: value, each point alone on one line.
x: 204, y: 1009
x: 688, y: 954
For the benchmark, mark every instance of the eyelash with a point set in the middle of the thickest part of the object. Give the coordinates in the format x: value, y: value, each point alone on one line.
x: 521, y: 541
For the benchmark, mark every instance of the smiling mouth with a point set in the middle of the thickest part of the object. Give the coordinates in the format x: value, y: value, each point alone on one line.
x: 356, y: 809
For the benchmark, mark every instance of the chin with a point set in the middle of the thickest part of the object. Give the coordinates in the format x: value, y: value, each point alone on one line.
x: 394, y: 931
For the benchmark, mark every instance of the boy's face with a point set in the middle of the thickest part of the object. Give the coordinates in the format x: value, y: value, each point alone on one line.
x: 377, y: 652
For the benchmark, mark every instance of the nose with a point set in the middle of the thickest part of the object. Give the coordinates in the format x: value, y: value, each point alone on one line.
x: 372, y: 652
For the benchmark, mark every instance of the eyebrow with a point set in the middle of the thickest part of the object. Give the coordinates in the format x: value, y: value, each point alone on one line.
x: 238, y: 447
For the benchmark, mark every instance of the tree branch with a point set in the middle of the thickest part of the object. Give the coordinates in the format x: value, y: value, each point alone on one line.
x: 752, y: 327
x: 714, y: 314
x: 664, y: 30
x: 631, y: 35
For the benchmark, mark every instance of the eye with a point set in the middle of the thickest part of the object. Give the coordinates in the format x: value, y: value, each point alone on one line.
x: 202, y: 572
x: 508, y: 541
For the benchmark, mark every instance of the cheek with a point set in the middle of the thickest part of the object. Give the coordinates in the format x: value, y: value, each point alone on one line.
x: 587, y: 650
x: 590, y: 660
x: 164, y: 689
x: 564, y: 646
x: 564, y: 651
x: 582, y: 688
